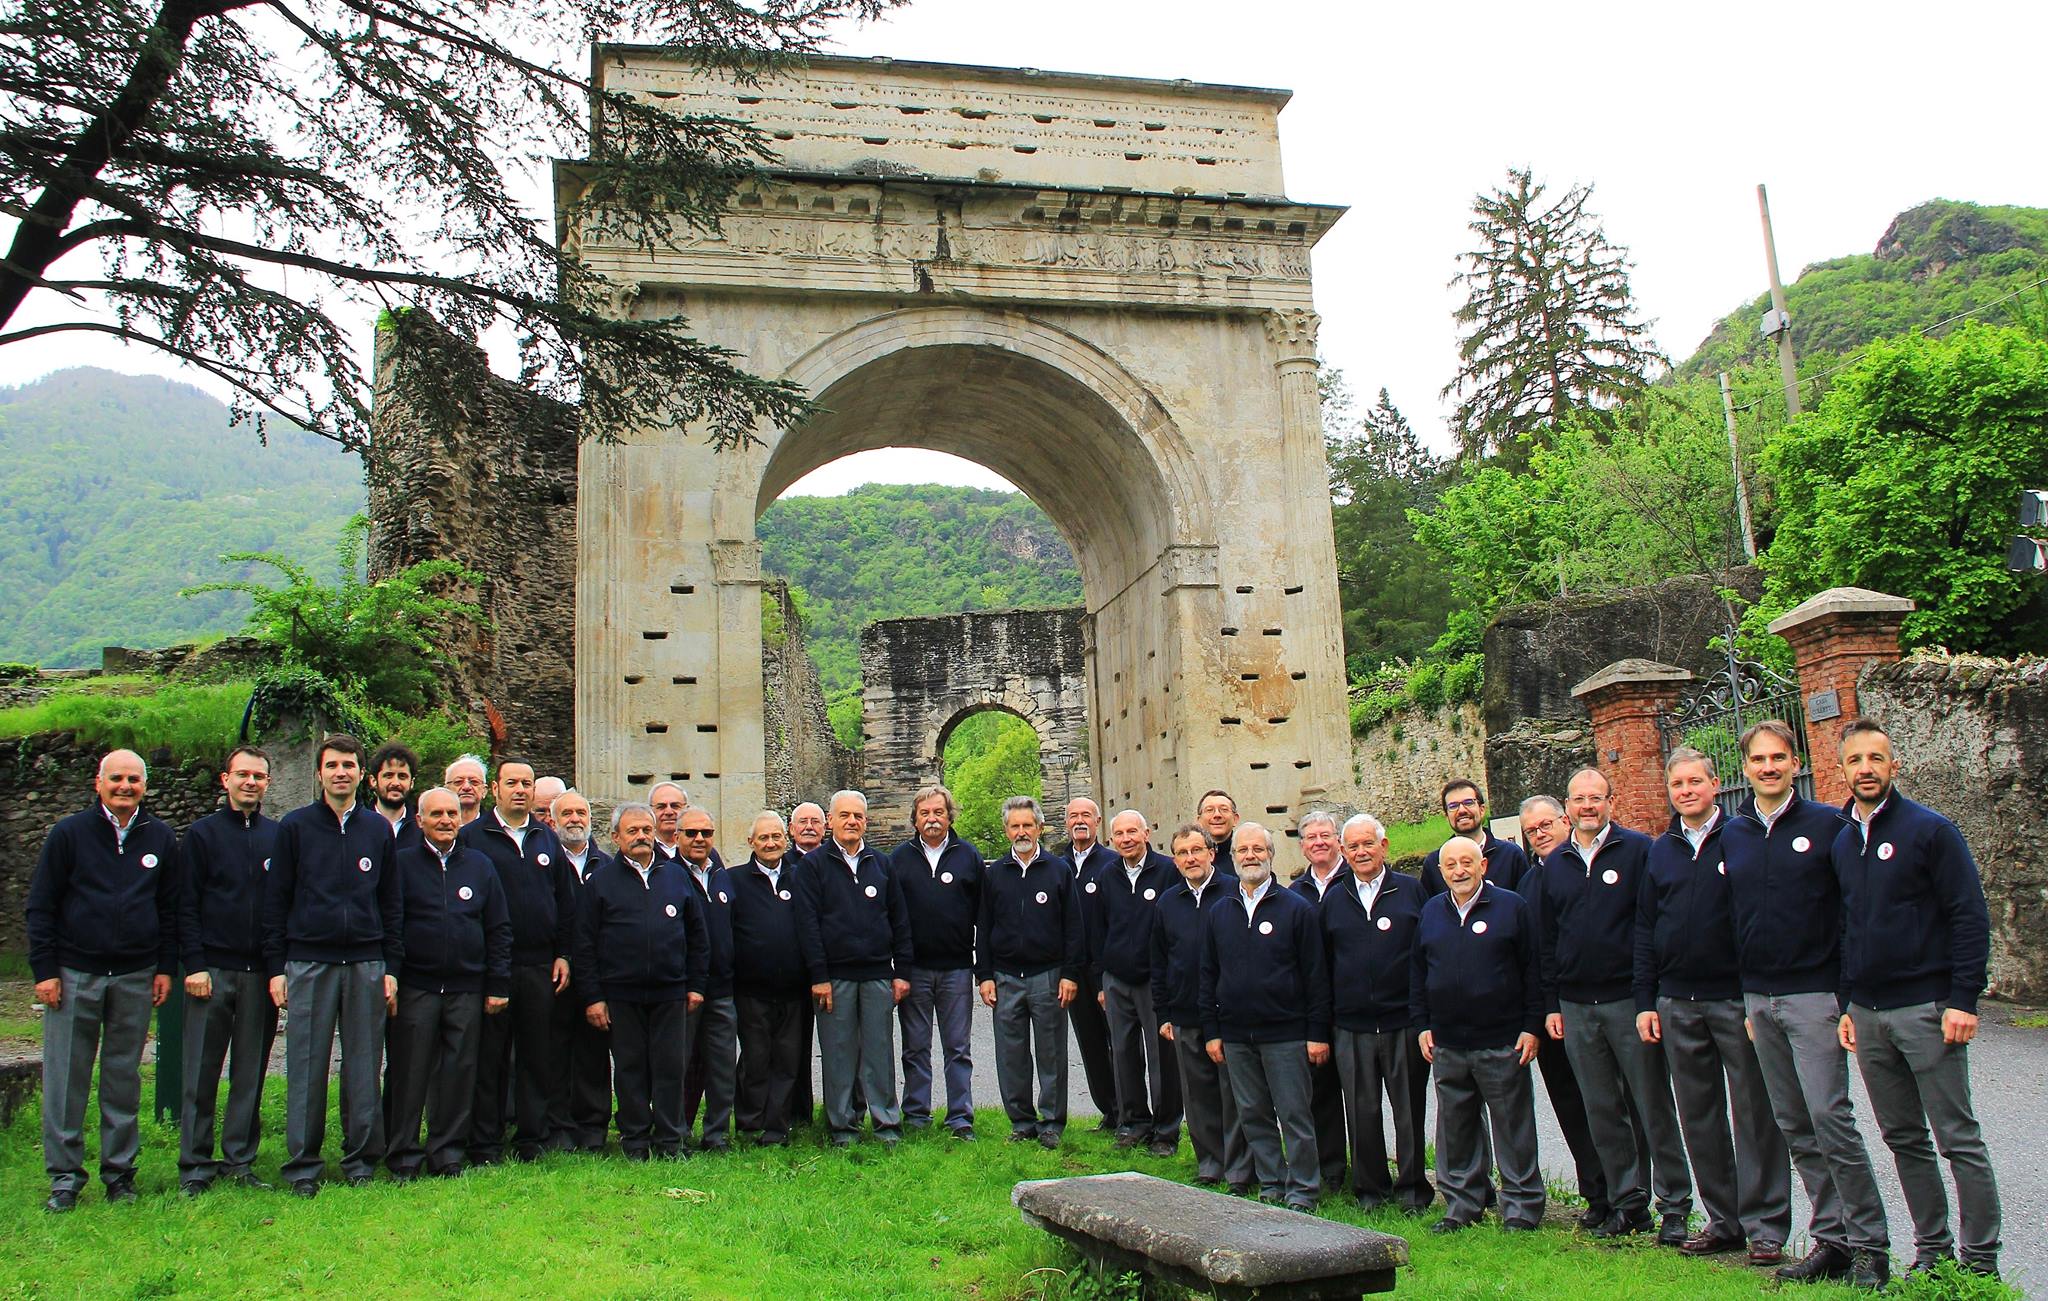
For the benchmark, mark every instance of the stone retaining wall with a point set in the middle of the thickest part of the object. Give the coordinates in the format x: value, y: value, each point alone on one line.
x: 1403, y: 762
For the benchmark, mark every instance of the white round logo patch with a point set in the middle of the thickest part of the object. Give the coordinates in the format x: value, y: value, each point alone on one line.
x: 1479, y: 928
x: 542, y: 859
x: 1386, y: 923
x: 784, y: 894
x: 1041, y: 896
x: 945, y: 878
x: 1611, y: 877
x: 362, y: 865
x: 670, y: 909
x: 1800, y: 844
x: 1885, y: 850
x: 722, y: 898
x: 149, y: 860
x: 465, y: 893
x: 1722, y: 869
x: 1150, y: 895
x: 1265, y: 928
x: 871, y: 892
x: 1090, y: 887
x: 266, y: 865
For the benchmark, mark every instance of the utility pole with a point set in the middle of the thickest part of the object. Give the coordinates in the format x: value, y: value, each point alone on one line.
x: 1735, y: 463
x: 1779, y: 322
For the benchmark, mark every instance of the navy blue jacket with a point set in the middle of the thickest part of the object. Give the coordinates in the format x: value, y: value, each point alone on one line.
x: 407, y: 832
x: 640, y: 943
x: 716, y: 897
x: 98, y: 905
x: 1371, y: 959
x: 1588, y: 919
x: 1305, y: 884
x: 850, y: 925
x: 1477, y: 983
x: 1119, y: 916
x: 1685, y: 922
x: 1263, y: 981
x: 1506, y: 865
x: 220, y: 910
x: 1098, y: 857
x: 1914, y: 925
x: 594, y: 859
x: 540, y: 886
x: 333, y: 894
x: 1177, y: 950
x: 943, y: 905
x: 458, y: 932
x: 1031, y: 920
x: 1786, y: 897
x: 767, y: 961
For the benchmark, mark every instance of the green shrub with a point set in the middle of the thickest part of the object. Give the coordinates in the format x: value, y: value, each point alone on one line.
x: 1426, y: 686
x: 1464, y: 678
x: 198, y: 721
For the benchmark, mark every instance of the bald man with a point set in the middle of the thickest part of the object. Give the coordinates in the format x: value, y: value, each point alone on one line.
x: 103, y: 945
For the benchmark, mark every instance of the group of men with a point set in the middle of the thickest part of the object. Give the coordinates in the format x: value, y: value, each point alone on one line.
x: 1689, y: 997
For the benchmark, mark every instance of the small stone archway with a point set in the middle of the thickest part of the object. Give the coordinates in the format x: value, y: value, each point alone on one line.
x: 923, y: 677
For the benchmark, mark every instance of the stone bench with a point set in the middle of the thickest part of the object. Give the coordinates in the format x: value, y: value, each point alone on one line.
x: 21, y: 1078
x: 1223, y: 1245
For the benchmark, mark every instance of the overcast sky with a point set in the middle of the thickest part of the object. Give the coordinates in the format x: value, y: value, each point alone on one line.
x: 1850, y: 113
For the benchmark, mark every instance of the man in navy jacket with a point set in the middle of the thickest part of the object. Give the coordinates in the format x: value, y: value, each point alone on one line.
x: 334, y: 945
x: 1369, y: 918
x: 458, y: 968
x: 1916, y: 939
x: 1265, y: 1016
x: 770, y: 990
x: 1089, y: 857
x: 1689, y: 999
x: 940, y: 878
x: 1476, y: 999
x: 102, y: 944
x: 586, y: 1101
x: 227, y: 997
x: 1221, y: 1154
x: 1123, y: 908
x: 1323, y: 852
x: 1030, y: 947
x: 1787, y: 904
x: 714, y: 1027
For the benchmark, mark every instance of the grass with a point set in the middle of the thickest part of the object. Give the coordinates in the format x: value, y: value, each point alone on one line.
x: 1406, y: 838
x: 2031, y: 1020
x: 931, y: 1220
x: 186, y: 718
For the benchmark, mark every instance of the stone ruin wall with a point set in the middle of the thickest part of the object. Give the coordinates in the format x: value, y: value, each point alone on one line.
x: 804, y: 757
x: 1403, y: 762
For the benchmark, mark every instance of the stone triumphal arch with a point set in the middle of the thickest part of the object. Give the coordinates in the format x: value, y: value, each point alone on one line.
x: 1094, y: 286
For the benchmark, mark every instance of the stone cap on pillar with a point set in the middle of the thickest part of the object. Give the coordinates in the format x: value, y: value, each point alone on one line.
x: 1632, y: 672
x: 1839, y: 601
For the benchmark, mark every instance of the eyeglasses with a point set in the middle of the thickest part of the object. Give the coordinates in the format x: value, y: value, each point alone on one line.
x: 1544, y: 825
x: 1456, y: 806
x: 697, y: 833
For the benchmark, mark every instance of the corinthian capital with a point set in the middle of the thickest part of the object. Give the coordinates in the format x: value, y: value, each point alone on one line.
x: 1293, y: 330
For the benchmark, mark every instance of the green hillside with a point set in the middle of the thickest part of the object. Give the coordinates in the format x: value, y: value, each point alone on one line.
x: 118, y: 490
x: 1937, y: 261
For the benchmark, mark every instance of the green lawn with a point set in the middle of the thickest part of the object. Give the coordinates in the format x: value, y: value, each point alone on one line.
x: 1405, y: 838
x: 931, y: 1220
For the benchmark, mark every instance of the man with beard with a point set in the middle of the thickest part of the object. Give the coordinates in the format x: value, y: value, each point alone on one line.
x: 1221, y: 1155
x: 770, y: 990
x: 940, y: 877
x: 1031, y: 945
x: 392, y: 766
x: 586, y: 1101
x: 1124, y: 907
x: 1089, y: 858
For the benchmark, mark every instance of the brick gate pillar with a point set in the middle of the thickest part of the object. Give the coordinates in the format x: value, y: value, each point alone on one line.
x: 1627, y: 702
x: 1834, y: 637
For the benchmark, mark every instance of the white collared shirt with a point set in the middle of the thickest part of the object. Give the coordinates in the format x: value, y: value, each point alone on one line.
x: 120, y: 832
x: 579, y: 861
x: 443, y: 854
x: 517, y: 833
x: 774, y: 873
x: 1465, y: 908
x: 1369, y: 891
x: 703, y: 878
x: 1252, y: 899
x: 1323, y: 883
x: 1131, y: 874
x: 1771, y: 819
x: 644, y: 872
x: 1024, y: 864
x: 1699, y: 837
x: 852, y: 860
x: 1196, y: 890
x: 1863, y: 824
x: 1588, y: 855
x: 932, y: 854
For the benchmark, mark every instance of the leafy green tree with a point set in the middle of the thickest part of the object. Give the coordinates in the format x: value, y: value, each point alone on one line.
x: 1548, y: 324
x: 989, y: 757
x: 254, y: 173
x: 1905, y: 479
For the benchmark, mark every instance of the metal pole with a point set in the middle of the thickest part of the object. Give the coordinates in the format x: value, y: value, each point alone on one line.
x: 1784, y: 319
x: 1735, y: 464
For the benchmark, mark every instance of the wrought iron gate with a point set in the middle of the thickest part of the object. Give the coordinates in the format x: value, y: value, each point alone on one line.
x: 1739, y: 694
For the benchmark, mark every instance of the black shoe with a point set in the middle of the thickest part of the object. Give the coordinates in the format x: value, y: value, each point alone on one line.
x: 122, y: 1190
x: 1623, y: 1223
x: 191, y: 1188
x: 1594, y: 1216
x: 1240, y: 1190
x: 60, y: 1200
x: 1449, y: 1225
x: 1870, y: 1270
x: 1826, y: 1260
x: 307, y: 1188
x: 961, y: 1134
x: 1208, y: 1181
x: 1023, y: 1136
x: 1987, y: 1268
x: 1306, y: 1208
x: 1517, y: 1226
x: 248, y: 1179
x: 1049, y: 1140
x: 1125, y: 1142
x: 1367, y: 1205
x: 1164, y: 1146
x: 1673, y: 1230
x: 1105, y: 1126
x: 1272, y: 1199
x: 1925, y: 1264
x: 719, y: 1145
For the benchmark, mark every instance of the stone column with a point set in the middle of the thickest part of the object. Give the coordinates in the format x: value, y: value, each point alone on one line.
x: 1627, y: 701
x: 742, y: 782
x: 1835, y: 636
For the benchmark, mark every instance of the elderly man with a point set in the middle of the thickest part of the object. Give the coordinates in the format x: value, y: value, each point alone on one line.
x: 940, y: 876
x: 854, y: 931
x: 1916, y: 938
x: 1216, y: 813
x: 1089, y: 858
x: 1477, y: 991
x: 1120, y: 911
x: 466, y: 776
x: 806, y: 828
x: 1323, y: 861
x: 584, y: 1106
x: 334, y: 944
x: 806, y: 833
x: 642, y: 963
x: 715, y: 1026
x: 1586, y: 895
x: 458, y: 967
x: 770, y: 989
x: 546, y: 790
x: 227, y: 1001
x: 102, y: 945
x: 1689, y: 999
x: 1369, y: 921
x: 540, y: 892
x: 1265, y: 1016
x: 1031, y: 945
x: 1221, y: 1154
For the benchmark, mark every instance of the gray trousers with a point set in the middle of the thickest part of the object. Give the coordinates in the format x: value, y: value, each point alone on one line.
x: 1478, y: 1089
x: 1807, y: 1075
x: 321, y: 998
x: 1270, y: 1083
x: 1614, y: 1065
x: 855, y: 1042
x: 97, y: 1016
x: 1031, y: 1043
x: 1744, y: 1187
x: 434, y: 1041
x: 237, y: 1023
x: 713, y: 1078
x: 1137, y: 1055
x: 1917, y: 1081
x: 946, y: 997
x: 1368, y: 1065
x: 1213, y: 1128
